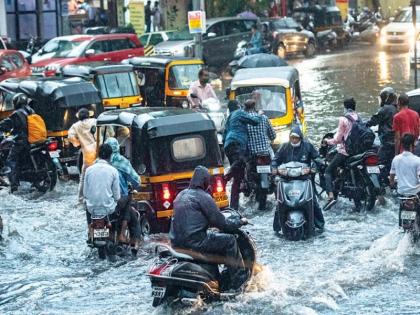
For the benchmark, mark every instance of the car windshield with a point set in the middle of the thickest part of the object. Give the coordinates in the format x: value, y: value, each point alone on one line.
x: 61, y: 48
x: 270, y: 99
x: 181, y: 76
x: 183, y: 34
x: 118, y: 84
x: 291, y: 23
x: 405, y: 16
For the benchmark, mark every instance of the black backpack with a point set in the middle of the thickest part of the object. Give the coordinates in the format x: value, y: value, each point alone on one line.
x: 360, y: 138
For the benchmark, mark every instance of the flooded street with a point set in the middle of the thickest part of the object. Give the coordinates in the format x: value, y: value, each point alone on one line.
x: 361, y: 264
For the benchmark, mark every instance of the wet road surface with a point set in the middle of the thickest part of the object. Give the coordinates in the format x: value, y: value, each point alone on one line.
x: 362, y: 264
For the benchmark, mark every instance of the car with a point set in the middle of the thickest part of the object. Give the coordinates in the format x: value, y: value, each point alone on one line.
x: 414, y: 100
x: 219, y: 42
x: 13, y: 65
x: 400, y: 33
x: 289, y: 37
x: 154, y: 38
x: 78, y: 49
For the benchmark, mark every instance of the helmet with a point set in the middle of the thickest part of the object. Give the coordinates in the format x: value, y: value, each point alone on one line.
x: 387, y: 96
x: 19, y: 100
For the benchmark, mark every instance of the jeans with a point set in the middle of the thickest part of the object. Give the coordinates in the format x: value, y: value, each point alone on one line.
x: 12, y: 161
x: 338, y: 160
x: 236, y: 159
x: 226, y: 246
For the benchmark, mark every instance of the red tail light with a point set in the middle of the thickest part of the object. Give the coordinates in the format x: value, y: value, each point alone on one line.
x: 219, y: 185
x: 166, y: 192
x: 158, y: 269
x: 371, y: 160
x: 263, y: 160
x: 53, y: 146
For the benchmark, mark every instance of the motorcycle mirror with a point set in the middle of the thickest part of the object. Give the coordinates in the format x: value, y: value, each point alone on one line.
x: 193, y: 95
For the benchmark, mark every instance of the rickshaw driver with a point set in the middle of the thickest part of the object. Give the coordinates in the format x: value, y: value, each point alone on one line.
x: 202, y: 88
x: 194, y: 212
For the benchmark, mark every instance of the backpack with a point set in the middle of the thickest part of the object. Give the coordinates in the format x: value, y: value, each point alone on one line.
x: 37, y: 131
x: 360, y: 138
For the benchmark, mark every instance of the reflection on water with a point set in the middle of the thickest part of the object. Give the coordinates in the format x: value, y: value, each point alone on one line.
x: 383, y: 67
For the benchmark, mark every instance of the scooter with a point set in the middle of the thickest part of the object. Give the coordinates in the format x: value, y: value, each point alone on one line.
x: 409, y: 215
x: 185, y: 276
x: 295, y: 201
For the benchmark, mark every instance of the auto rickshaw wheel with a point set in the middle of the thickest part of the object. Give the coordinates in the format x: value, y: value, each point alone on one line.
x: 281, y: 51
x: 146, y: 227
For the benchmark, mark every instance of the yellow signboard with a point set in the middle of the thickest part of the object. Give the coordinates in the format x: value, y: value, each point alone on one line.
x: 197, y: 21
x: 137, y: 16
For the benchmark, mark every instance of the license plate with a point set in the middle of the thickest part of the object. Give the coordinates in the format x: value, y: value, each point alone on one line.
x: 158, y: 292
x: 100, y: 233
x: 54, y: 154
x: 408, y: 215
x: 373, y: 170
x: 263, y: 169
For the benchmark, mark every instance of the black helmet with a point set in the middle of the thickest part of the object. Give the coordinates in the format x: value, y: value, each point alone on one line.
x: 19, y: 100
x: 387, y: 96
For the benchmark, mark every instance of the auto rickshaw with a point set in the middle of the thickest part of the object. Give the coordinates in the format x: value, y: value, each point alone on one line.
x: 57, y: 101
x: 117, y: 83
x: 323, y: 18
x: 276, y: 91
x: 164, y: 146
x: 165, y: 80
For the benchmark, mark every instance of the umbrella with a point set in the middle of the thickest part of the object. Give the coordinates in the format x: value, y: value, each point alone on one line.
x: 261, y: 61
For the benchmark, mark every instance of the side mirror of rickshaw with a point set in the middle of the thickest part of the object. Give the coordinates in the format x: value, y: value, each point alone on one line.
x: 89, y: 52
x: 192, y: 95
x: 142, y: 169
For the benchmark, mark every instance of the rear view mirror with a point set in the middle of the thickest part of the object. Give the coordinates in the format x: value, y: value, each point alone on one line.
x: 89, y: 52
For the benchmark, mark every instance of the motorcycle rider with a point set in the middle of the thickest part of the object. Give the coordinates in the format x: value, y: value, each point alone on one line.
x: 82, y: 134
x: 101, y: 190
x: 384, y: 118
x: 298, y: 150
x: 406, y: 167
x: 343, y: 130
x: 195, y: 212
x: 201, y: 88
x: 235, y: 140
x: 259, y: 138
x: 127, y: 175
x: 17, y: 125
x: 256, y: 42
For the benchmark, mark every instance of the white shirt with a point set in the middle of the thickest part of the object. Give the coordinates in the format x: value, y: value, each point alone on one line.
x: 101, y: 188
x: 406, y: 166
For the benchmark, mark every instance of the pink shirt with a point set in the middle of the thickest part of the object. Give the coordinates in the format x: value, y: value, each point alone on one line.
x: 203, y: 93
x: 344, y: 127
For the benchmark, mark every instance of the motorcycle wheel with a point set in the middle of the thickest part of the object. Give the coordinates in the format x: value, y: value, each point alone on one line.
x: 102, y: 252
x: 50, y: 179
x: 146, y: 227
x: 294, y: 234
x: 310, y: 50
x: 157, y: 301
x: 261, y: 197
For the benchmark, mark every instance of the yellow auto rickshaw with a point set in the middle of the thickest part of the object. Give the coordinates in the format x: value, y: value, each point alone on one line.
x: 164, y: 146
x: 117, y: 83
x: 165, y: 80
x: 277, y: 93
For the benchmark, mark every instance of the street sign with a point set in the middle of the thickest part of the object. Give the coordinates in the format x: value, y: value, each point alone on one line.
x: 197, y: 22
x: 136, y: 9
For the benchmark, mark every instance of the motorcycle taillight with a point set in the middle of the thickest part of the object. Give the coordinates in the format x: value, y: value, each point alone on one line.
x: 371, y: 160
x: 218, y: 184
x: 158, y: 269
x: 263, y: 160
x: 98, y: 223
x: 409, y: 204
x: 53, y: 145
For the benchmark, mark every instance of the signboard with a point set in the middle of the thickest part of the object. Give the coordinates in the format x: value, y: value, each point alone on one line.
x: 120, y: 13
x: 137, y: 16
x: 197, y: 22
x: 343, y: 5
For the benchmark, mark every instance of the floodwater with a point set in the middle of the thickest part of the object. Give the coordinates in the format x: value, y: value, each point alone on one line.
x: 361, y: 264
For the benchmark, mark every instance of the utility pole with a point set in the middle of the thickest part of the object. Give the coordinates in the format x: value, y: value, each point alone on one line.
x: 198, y: 5
x: 414, y: 14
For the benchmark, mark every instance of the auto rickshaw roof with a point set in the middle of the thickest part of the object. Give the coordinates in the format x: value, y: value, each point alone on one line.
x: 158, y: 121
x: 284, y: 76
x: 88, y: 70
x: 159, y: 61
x: 71, y: 92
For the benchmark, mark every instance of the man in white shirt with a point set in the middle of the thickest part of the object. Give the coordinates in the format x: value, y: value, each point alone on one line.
x: 406, y: 168
x: 201, y: 88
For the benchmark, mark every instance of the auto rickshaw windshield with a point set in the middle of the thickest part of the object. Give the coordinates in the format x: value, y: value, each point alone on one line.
x: 181, y: 76
x: 117, y: 84
x: 270, y: 99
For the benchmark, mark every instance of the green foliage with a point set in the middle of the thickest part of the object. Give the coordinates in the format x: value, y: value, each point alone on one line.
x: 216, y: 8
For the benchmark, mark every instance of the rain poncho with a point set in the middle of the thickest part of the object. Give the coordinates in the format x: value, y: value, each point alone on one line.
x: 126, y: 171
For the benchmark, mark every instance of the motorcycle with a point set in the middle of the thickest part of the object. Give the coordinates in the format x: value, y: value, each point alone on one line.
x: 409, y: 215
x: 103, y: 234
x: 35, y: 167
x: 295, y: 201
x: 186, y: 276
x: 358, y: 180
x: 257, y: 179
